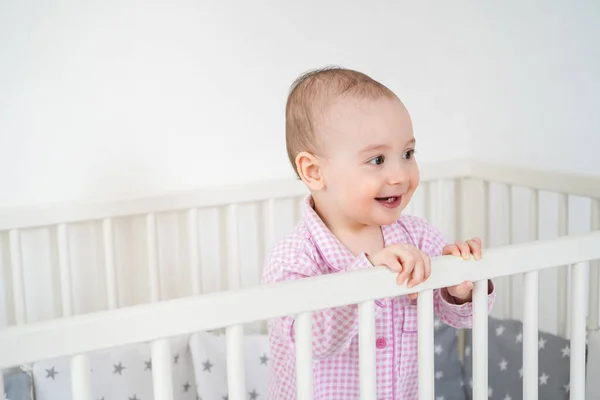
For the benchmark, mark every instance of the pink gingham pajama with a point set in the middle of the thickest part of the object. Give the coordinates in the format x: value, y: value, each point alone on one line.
x: 313, y: 250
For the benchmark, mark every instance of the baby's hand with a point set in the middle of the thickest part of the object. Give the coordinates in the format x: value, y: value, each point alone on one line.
x: 464, y: 249
x: 462, y: 292
x: 406, y: 260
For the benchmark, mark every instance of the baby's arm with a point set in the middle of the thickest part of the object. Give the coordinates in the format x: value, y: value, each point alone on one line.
x: 430, y: 240
x: 333, y: 329
x: 458, y: 315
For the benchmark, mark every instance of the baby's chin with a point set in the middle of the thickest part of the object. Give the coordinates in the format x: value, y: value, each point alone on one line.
x: 387, y: 219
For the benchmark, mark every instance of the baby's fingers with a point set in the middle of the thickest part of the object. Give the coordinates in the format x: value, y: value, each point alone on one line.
x: 465, y: 251
x: 475, y: 248
x: 392, y: 263
x: 451, y: 249
x: 418, y: 274
x: 408, y: 265
x: 427, y: 263
x: 461, y: 291
x: 421, y: 273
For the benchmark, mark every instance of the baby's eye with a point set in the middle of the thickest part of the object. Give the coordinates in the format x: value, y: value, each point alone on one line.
x: 409, y: 154
x: 377, y: 160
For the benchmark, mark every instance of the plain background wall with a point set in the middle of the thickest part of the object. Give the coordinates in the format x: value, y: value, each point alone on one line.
x: 533, y: 84
x: 110, y: 99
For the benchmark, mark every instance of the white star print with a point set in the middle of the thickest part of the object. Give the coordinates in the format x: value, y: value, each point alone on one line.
x: 567, y: 387
x: 507, y: 397
x: 490, y: 392
x: 503, y: 365
x: 437, y: 324
x: 520, y: 337
x: 438, y: 349
x: 566, y: 351
x: 542, y: 343
x: 521, y: 372
x: 544, y: 379
x: 439, y: 375
x: 467, y: 351
x: 440, y: 398
x: 500, y: 330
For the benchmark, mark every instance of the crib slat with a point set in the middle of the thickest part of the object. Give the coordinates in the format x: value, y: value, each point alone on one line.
x: 304, y: 359
x: 480, y: 340
x: 366, y: 350
x: 193, y: 236
x: 562, y: 279
x: 594, y: 290
x: 530, y: 312
x: 65, y: 270
x: 439, y: 202
x: 233, y: 263
x: 578, y: 333
x: 235, y: 362
x: 18, y: 288
x: 533, y: 214
x: 486, y: 214
x: 427, y: 201
x: 162, y: 375
x: 508, y: 295
x: 530, y: 336
x: 268, y: 242
x: 425, y: 345
x: 458, y: 214
x: 270, y: 225
x: 2, y: 389
x: 593, y: 298
x: 152, y: 254
x: 109, y: 263
x: 81, y: 383
x: 458, y: 233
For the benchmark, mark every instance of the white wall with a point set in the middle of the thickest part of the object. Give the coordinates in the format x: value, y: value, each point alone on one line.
x: 535, y: 70
x: 103, y: 99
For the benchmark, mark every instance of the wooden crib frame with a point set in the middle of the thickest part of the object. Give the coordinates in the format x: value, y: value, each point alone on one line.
x: 155, y: 322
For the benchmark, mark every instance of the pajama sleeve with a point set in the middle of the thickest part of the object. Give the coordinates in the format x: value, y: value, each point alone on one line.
x: 333, y: 329
x: 430, y: 240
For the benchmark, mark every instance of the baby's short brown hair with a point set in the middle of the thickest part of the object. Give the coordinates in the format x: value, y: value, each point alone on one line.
x: 309, y: 96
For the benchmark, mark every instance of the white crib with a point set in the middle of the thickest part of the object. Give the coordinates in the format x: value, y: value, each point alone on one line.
x: 200, y: 256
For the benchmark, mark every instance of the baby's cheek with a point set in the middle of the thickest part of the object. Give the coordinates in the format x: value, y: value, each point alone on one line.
x: 366, y: 188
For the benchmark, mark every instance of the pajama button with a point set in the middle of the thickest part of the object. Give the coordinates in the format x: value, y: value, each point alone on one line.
x: 380, y: 343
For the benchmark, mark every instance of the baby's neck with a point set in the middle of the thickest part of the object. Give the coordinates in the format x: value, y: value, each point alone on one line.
x: 368, y: 240
x: 357, y: 238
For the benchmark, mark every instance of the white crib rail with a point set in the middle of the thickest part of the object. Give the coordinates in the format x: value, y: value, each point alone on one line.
x: 156, y: 322
x: 28, y: 217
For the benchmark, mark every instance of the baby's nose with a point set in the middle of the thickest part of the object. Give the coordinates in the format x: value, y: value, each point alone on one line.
x: 399, y: 175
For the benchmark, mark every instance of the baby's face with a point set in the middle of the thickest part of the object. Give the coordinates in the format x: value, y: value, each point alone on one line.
x: 369, y: 168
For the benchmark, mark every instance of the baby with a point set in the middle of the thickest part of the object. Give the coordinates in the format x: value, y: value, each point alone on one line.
x: 350, y: 140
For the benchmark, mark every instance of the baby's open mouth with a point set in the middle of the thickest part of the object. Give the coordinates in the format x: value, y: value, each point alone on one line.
x: 387, y: 199
x: 390, y: 202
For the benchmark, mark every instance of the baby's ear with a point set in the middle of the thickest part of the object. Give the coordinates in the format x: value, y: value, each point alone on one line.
x: 309, y: 171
